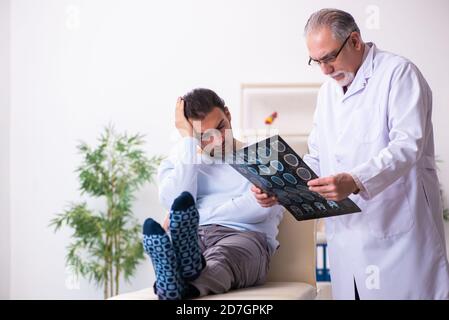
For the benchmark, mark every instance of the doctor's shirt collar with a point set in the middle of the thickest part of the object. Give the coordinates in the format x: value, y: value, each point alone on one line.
x: 363, y: 74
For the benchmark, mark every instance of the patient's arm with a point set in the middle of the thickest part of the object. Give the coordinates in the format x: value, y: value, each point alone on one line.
x: 179, y: 172
x: 243, y: 209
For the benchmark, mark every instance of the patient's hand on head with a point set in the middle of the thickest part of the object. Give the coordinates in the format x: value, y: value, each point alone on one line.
x: 182, y: 124
x: 262, y: 198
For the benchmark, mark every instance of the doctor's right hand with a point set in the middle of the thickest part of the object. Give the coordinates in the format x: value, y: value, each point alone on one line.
x: 262, y: 198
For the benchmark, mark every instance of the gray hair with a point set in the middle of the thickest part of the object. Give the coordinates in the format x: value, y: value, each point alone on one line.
x: 340, y: 22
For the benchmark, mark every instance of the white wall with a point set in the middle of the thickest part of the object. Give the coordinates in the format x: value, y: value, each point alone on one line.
x: 78, y: 65
x: 4, y: 150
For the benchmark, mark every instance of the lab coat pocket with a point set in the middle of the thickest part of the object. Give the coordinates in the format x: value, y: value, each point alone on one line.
x: 430, y: 184
x: 389, y: 213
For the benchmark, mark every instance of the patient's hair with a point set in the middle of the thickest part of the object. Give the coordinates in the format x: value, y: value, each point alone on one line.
x: 199, y: 102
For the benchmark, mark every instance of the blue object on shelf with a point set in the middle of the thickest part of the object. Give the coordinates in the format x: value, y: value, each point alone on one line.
x: 322, y: 273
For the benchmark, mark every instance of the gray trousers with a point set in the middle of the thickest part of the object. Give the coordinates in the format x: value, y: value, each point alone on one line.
x: 234, y: 259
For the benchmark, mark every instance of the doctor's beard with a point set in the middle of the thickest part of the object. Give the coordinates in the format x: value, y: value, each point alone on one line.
x: 348, y: 77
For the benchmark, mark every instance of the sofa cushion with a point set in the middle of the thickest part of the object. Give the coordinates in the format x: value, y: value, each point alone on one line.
x: 268, y: 291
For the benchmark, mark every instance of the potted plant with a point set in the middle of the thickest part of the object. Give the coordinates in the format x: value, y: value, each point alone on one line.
x: 107, y: 244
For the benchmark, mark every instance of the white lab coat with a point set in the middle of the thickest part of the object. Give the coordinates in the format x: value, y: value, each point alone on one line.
x: 381, y: 132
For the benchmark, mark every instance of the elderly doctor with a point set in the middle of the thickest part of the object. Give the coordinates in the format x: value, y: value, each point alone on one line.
x: 372, y: 140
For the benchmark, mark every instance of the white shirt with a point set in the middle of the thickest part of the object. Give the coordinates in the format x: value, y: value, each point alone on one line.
x: 222, y: 195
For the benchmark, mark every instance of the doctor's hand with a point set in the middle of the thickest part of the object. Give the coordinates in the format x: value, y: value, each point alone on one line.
x: 182, y: 124
x: 262, y: 198
x: 334, y: 188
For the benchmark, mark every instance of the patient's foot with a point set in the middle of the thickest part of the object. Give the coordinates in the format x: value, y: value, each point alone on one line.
x: 184, y: 219
x: 169, y: 285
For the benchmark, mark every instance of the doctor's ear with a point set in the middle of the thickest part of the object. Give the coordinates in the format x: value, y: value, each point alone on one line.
x: 356, y: 40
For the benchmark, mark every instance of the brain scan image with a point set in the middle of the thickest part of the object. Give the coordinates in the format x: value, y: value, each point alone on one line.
x: 319, y: 206
x: 264, y: 170
x: 295, y: 198
x: 278, y: 170
x: 333, y: 204
x: 291, y: 159
x: 253, y: 170
x: 278, y: 181
x: 291, y: 190
x: 307, y: 196
x: 304, y: 174
x: 280, y: 193
x: 308, y: 208
x: 303, y: 188
x: 317, y: 195
x: 265, y: 183
x: 278, y: 166
x: 296, y: 210
x: 290, y: 178
x: 278, y: 146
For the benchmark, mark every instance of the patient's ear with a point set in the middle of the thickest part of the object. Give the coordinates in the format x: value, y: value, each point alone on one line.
x: 227, y: 113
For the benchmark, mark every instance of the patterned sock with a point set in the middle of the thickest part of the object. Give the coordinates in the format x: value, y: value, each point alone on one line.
x: 168, y: 285
x: 184, y: 219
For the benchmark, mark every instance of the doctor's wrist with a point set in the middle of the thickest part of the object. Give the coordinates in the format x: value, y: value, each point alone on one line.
x: 358, y: 185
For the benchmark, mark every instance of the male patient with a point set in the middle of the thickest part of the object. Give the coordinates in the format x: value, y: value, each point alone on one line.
x: 221, y: 238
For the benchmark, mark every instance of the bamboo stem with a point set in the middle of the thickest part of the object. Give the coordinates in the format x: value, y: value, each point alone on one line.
x: 111, y: 263
x: 108, y: 247
x: 117, y: 263
x: 106, y: 259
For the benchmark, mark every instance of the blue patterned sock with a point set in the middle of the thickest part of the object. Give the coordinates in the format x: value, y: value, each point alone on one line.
x: 184, y: 219
x: 168, y: 285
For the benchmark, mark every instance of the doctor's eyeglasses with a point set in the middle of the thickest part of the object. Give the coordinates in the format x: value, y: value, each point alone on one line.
x: 329, y: 58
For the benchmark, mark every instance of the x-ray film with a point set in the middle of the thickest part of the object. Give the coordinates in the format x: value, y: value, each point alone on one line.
x: 273, y: 166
